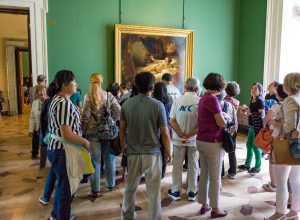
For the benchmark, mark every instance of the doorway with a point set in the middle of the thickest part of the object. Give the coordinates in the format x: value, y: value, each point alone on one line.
x: 23, y: 77
x: 16, y: 61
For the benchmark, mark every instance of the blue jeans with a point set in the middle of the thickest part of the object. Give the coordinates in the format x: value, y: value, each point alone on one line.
x: 51, y: 178
x: 62, y: 198
x: 98, y: 148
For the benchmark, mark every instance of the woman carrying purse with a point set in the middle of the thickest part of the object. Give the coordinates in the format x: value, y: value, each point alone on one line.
x: 283, y: 173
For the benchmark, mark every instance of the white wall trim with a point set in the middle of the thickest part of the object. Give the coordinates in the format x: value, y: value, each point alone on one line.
x: 273, y: 41
x: 38, y: 32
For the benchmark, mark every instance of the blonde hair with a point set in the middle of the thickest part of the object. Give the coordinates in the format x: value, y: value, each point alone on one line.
x: 96, y: 81
x: 291, y: 82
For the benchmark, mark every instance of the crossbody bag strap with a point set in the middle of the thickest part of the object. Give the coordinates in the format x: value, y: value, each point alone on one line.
x: 94, y: 116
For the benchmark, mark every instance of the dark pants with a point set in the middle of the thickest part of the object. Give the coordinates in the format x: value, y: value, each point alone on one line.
x: 43, y: 156
x: 62, y: 198
x: 51, y: 178
x: 232, y: 161
x: 35, y: 144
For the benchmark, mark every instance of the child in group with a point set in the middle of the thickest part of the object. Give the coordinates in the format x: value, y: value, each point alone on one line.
x: 256, y: 113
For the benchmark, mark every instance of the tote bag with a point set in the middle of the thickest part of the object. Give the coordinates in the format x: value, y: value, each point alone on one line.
x: 281, y: 153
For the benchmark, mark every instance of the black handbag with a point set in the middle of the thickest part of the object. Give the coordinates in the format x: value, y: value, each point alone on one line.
x: 116, y: 146
x: 228, y: 142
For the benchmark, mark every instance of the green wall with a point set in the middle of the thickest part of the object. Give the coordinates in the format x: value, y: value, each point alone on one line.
x: 81, y: 34
x: 252, y: 27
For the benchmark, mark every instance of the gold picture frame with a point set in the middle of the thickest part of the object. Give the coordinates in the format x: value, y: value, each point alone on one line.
x: 153, y: 49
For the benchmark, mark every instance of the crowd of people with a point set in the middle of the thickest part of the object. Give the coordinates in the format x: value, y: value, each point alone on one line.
x: 158, y: 124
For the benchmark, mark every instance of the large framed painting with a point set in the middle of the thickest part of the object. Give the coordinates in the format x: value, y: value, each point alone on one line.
x: 153, y: 49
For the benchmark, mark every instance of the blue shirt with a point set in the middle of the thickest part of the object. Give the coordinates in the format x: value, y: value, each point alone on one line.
x: 76, y: 98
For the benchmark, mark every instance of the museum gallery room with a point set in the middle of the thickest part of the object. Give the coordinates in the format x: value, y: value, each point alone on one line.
x: 83, y: 48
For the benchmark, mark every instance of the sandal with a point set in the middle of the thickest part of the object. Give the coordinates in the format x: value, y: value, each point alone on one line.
x: 292, y: 215
x: 93, y: 194
x: 282, y: 217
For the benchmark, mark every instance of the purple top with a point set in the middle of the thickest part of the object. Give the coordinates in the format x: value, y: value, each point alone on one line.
x: 208, y: 130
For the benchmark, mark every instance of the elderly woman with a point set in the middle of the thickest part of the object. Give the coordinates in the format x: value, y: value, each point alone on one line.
x: 209, y: 144
x: 289, y: 124
x: 35, y: 127
x: 92, y: 107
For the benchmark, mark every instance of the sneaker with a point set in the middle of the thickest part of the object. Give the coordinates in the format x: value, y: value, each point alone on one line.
x: 243, y: 167
x: 253, y: 171
x: 174, y: 195
x: 192, y: 196
x: 269, y: 188
x: 72, y: 217
x: 43, y: 200
x: 35, y: 157
x: 109, y: 189
x: 231, y: 176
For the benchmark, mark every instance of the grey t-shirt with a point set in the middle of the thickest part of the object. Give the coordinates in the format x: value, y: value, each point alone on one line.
x: 143, y: 116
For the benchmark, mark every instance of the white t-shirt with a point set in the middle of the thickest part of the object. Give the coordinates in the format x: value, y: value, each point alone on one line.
x: 185, y: 111
x: 276, y: 108
x: 173, y: 92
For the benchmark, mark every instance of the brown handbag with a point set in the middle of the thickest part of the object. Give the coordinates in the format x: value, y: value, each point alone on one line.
x: 281, y: 153
x: 263, y: 140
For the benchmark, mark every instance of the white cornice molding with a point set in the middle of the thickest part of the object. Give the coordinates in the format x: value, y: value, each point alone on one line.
x: 38, y: 34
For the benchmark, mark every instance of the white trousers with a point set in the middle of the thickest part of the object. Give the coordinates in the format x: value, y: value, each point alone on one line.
x: 282, y: 173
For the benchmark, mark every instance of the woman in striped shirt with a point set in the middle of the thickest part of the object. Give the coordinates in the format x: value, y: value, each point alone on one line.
x: 64, y: 124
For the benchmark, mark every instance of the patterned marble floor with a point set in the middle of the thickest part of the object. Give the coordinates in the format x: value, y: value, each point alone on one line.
x: 243, y: 197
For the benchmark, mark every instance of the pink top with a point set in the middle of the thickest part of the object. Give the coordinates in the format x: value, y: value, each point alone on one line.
x: 208, y: 130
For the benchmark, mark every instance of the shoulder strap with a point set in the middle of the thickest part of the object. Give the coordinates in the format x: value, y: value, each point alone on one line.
x: 94, y: 116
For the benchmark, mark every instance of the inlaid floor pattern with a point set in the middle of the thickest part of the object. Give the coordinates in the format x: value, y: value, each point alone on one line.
x: 243, y: 197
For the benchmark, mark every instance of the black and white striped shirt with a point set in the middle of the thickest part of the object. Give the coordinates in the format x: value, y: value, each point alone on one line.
x: 63, y: 112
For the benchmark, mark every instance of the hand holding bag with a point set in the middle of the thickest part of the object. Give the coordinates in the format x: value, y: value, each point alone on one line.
x: 264, y: 139
x: 286, y: 151
x: 281, y: 153
x: 228, y: 142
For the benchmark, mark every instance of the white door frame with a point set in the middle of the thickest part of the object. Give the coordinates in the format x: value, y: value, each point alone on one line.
x: 38, y: 33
